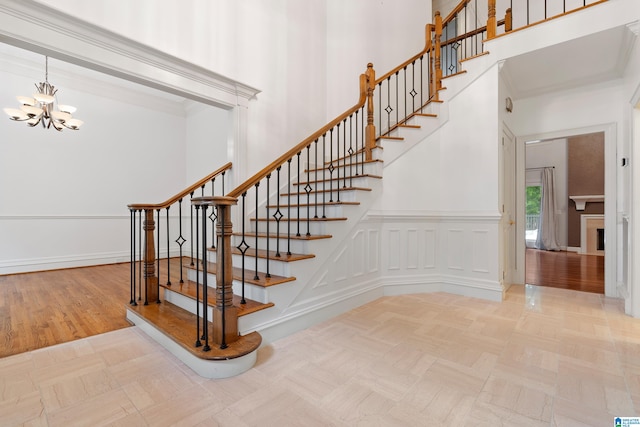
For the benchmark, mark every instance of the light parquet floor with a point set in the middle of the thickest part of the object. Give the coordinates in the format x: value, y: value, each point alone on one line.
x: 543, y: 357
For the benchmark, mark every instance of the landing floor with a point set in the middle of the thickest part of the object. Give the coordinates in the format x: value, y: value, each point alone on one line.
x: 543, y: 357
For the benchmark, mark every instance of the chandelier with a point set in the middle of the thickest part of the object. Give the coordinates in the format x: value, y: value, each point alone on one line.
x: 41, y: 108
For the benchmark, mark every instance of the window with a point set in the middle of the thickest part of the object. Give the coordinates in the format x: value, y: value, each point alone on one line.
x: 534, y: 193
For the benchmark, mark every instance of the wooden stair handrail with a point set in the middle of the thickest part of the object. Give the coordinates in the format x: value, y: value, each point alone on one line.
x: 183, y: 193
x: 242, y: 188
x: 428, y: 45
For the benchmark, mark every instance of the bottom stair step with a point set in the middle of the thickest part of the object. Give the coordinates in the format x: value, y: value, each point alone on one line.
x: 180, y: 326
x: 189, y: 289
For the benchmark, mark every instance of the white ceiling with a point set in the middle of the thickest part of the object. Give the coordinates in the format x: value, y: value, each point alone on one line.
x: 588, y: 60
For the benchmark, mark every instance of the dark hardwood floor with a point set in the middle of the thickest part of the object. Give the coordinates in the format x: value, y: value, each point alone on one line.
x: 51, y: 307
x: 566, y: 270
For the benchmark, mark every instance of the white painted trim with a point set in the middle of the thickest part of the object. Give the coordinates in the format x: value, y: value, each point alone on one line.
x: 583, y: 229
x: 412, y: 216
x: 39, y: 28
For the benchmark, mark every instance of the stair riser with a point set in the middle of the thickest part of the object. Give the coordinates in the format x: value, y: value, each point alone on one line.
x: 335, y: 184
x: 187, y: 303
x: 295, y: 246
x: 335, y: 195
x: 276, y: 267
x: 251, y: 291
x: 294, y: 212
x: 373, y: 168
x: 315, y: 228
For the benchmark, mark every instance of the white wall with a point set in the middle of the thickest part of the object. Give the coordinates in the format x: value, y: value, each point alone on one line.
x: 385, y: 33
x: 65, y: 194
x: 208, y: 130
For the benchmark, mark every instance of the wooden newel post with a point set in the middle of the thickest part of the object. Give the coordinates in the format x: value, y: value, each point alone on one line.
x: 492, y: 25
x: 508, y: 21
x: 150, y: 279
x: 438, y: 64
x: 370, y: 131
x: 225, y: 314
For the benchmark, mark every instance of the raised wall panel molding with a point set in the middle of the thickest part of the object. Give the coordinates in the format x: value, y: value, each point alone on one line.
x: 394, y: 249
x: 430, y: 236
x: 480, y: 254
x: 455, y: 247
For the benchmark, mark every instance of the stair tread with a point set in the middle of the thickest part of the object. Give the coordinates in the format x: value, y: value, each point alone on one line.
x: 249, y: 276
x: 292, y: 237
x: 346, y: 164
x: 404, y: 125
x: 394, y: 138
x: 262, y: 253
x: 179, y: 325
x: 326, y: 190
x: 303, y: 219
x: 341, y: 178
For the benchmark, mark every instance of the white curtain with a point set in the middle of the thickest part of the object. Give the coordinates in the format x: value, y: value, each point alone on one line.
x: 547, y: 226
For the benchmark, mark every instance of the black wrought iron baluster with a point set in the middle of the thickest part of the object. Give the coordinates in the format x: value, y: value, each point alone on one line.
x: 223, y: 342
x: 307, y: 189
x: 389, y: 108
x: 268, y: 274
x: 205, y: 282
x: 243, y: 246
x: 331, y: 166
x: 144, y: 261
x: 255, y: 276
x: 277, y: 215
x: 191, y: 226
x: 421, y: 82
x: 168, y: 254
x: 158, y: 251
x: 464, y: 41
x: 360, y: 154
x: 413, y: 92
x: 338, y: 164
x: 351, y: 152
x: 213, y: 216
x: 316, y: 165
x: 298, y: 198
x: 476, y: 24
x: 379, y: 109
x: 198, y: 342
x: 141, y: 255
x: 224, y: 172
x: 397, y: 104
x: 563, y: 5
x: 132, y: 289
x: 324, y: 179
x: 289, y: 196
x: 344, y: 155
x: 404, y: 93
x: 180, y: 240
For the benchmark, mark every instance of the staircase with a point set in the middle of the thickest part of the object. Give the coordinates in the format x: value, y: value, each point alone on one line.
x: 244, y: 280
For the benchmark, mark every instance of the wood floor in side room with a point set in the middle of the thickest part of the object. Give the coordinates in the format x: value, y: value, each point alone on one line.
x: 565, y: 270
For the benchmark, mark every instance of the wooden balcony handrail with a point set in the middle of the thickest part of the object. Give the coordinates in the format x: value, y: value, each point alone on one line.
x: 429, y: 28
x: 183, y: 193
x: 454, y: 12
x: 242, y: 188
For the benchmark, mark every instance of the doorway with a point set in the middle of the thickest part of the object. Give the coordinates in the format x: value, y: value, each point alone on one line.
x: 610, y: 171
x: 564, y: 207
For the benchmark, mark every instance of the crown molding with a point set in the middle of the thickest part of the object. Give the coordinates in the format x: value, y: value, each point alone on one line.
x: 39, y: 28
